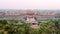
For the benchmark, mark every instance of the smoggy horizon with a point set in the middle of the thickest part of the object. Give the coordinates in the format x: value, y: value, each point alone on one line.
x: 30, y: 4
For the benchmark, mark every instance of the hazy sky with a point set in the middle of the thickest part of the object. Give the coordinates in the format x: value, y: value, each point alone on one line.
x: 29, y: 4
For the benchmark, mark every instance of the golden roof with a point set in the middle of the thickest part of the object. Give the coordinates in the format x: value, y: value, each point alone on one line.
x: 30, y: 12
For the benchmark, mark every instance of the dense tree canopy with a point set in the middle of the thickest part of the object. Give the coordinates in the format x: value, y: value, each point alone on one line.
x: 50, y: 27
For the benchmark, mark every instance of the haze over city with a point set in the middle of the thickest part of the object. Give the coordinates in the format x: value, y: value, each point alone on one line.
x: 30, y: 4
